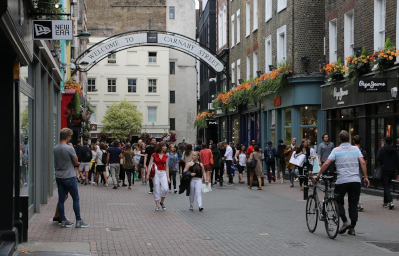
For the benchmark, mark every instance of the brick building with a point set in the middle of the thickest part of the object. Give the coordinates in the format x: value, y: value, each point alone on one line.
x: 264, y: 34
x: 371, y: 114
x: 109, y: 18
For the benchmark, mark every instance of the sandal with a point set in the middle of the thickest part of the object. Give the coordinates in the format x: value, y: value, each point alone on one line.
x: 259, y: 188
x: 129, y: 187
x: 250, y: 187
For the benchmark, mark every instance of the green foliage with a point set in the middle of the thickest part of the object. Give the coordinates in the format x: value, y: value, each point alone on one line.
x: 75, y: 106
x: 122, y: 120
x: 388, y: 43
x: 200, y: 123
x: 47, y: 6
x: 25, y: 120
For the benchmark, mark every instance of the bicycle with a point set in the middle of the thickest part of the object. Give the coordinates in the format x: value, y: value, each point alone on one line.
x: 326, y: 211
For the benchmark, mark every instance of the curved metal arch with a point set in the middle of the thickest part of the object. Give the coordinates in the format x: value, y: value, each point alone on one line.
x: 141, y: 38
x: 163, y: 46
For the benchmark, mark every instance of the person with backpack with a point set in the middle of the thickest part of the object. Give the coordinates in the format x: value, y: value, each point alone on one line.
x: 281, y: 160
x: 388, y: 160
x: 101, y: 161
x: 85, y: 156
x: 270, y: 160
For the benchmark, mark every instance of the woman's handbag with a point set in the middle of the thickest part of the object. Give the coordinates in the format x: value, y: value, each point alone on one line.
x: 297, y: 160
x: 153, y: 169
x: 251, y: 164
x: 377, y: 173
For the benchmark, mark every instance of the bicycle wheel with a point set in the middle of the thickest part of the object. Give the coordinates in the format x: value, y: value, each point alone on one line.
x: 331, y: 218
x: 312, y: 213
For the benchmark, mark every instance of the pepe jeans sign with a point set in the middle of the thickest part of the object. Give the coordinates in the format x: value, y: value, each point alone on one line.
x: 52, y: 30
x: 339, y: 94
x: 99, y: 51
x: 372, y: 84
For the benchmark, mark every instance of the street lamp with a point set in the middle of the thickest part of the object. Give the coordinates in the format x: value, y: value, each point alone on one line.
x: 84, y: 35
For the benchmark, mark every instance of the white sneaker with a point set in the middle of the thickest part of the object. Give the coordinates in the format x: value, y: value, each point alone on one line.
x: 106, y: 184
x: 281, y: 181
x: 391, y: 205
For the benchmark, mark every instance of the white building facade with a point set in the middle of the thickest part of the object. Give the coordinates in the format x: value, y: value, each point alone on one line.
x: 139, y: 75
x: 183, y: 72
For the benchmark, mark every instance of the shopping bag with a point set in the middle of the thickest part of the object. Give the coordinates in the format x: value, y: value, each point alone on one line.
x: 377, y: 173
x: 135, y: 175
x: 107, y: 170
x: 206, y: 188
x: 233, y: 169
x: 297, y: 160
x: 316, y: 167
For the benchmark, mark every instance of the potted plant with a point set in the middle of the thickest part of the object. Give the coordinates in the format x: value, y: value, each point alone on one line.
x: 384, y: 58
x: 335, y: 71
x: 357, y: 66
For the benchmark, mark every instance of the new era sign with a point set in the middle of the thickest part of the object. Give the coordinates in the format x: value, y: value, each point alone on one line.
x: 52, y: 30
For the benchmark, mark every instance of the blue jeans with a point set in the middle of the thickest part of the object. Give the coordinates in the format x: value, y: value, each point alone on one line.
x: 273, y: 167
x: 64, y: 186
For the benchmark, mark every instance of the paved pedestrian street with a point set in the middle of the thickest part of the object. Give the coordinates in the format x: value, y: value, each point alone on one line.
x: 235, y: 221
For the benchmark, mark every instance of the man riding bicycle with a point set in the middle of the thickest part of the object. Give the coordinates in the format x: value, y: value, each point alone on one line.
x: 347, y: 158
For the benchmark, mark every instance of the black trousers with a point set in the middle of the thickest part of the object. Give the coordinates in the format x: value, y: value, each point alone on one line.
x: 215, y: 170
x: 122, y: 175
x: 353, y: 190
x: 130, y: 173
x: 172, y: 177
x: 151, y: 184
x: 221, y: 171
x: 386, y: 178
x: 229, y: 163
x: 182, y: 165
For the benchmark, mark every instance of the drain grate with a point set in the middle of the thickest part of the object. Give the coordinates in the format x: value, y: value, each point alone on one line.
x: 296, y: 245
x: 390, y: 246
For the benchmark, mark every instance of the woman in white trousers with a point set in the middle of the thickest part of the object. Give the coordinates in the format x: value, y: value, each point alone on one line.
x: 161, y: 179
x: 198, y: 175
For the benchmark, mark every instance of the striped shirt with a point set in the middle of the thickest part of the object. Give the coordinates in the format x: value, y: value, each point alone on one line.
x: 346, y: 159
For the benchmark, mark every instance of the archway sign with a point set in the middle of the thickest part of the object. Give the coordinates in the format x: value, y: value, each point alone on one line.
x: 131, y: 39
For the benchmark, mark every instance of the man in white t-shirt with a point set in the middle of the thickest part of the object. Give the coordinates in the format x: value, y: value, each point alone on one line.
x: 347, y: 159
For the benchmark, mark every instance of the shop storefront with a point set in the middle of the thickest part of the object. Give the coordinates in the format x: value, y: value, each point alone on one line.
x: 295, y: 112
x: 368, y: 108
x: 250, y: 124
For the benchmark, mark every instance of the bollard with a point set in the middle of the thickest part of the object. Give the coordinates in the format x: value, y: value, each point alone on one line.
x: 305, y: 183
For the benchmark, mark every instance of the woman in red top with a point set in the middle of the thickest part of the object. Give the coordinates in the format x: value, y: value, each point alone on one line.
x: 160, y: 159
x: 205, y: 157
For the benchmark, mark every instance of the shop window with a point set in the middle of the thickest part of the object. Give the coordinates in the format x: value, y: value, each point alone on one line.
x: 152, y: 85
x: 236, y: 131
x: 287, y: 136
x: 91, y: 85
x: 309, y: 115
x: 112, y: 58
x: 346, y: 113
x: 273, y: 118
x: 25, y: 166
x: 309, y: 133
x: 288, y: 117
x: 152, y: 57
x: 385, y: 108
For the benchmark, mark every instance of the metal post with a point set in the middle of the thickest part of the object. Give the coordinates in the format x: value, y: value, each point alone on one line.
x: 305, y: 183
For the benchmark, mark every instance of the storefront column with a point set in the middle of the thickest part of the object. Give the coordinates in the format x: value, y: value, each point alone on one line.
x: 321, y: 124
x: 296, y: 122
x: 9, y: 137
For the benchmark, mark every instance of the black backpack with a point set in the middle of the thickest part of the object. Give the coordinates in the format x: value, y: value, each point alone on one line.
x: 86, y: 154
x: 104, y: 157
x: 269, y: 155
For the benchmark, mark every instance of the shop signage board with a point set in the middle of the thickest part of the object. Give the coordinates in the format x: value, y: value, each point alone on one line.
x: 372, y: 84
x: 93, y: 127
x: 277, y: 101
x: 365, y: 91
x: 52, y: 30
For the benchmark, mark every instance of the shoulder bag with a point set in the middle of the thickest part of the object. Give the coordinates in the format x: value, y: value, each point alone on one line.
x: 153, y: 169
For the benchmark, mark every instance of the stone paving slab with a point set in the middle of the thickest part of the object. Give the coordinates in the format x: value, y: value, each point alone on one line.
x: 236, y: 221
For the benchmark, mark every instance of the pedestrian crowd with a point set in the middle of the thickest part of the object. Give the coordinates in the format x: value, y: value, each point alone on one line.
x: 200, y: 166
